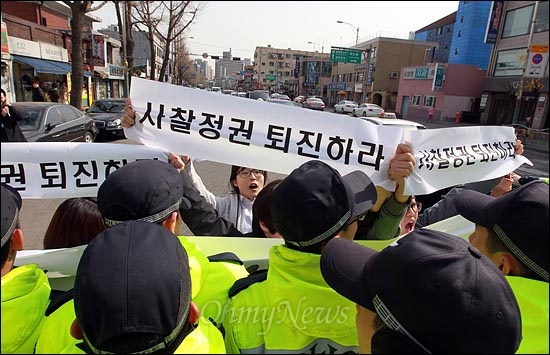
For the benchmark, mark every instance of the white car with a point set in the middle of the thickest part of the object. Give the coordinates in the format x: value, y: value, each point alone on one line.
x: 395, y: 122
x: 367, y: 110
x: 345, y: 106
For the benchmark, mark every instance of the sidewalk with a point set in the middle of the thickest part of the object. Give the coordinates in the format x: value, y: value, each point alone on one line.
x: 537, y: 141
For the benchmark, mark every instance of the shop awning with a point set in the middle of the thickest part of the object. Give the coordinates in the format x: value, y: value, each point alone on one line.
x: 40, y: 65
x: 48, y: 66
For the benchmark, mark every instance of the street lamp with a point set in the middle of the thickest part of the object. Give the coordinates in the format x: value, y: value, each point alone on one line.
x: 356, y: 30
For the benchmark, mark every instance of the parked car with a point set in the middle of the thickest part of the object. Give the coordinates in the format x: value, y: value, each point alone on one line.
x: 258, y: 95
x: 345, y: 106
x: 283, y: 102
x: 367, y: 110
x: 395, y: 122
x: 55, y: 122
x: 314, y: 104
x: 299, y: 99
x: 107, y: 114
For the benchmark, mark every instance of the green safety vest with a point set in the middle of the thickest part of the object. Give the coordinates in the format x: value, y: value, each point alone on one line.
x: 292, y: 310
x: 532, y: 297
x: 210, y: 282
x: 205, y: 339
x: 25, y: 297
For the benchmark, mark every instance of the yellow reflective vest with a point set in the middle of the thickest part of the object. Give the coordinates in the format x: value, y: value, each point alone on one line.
x: 205, y: 339
x: 532, y: 297
x: 210, y: 285
x: 292, y: 311
x: 25, y: 297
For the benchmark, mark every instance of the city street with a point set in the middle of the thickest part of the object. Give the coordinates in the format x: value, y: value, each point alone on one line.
x: 36, y: 214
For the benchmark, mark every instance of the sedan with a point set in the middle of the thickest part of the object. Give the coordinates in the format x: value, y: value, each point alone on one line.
x: 345, y: 106
x: 107, y: 114
x: 395, y: 122
x: 314, y: 104
x: 367, y: 110
x: 55, y: 122
x: 283, y: 102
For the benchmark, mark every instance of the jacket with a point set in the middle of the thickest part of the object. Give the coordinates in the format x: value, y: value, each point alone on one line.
x: 10, y: 127
x: 532, y: 297
x: 25, y: 297
x: 210, y: 282
x: 231, y: 207
x: 384, y: 224
x: 204, y: 339
x: 292, y: 311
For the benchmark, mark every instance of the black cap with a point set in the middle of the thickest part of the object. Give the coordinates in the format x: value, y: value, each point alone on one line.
x: 519, y: 218
x: 132, y: 279
x: 146, y: 190
x: 314, y: 201
x: 434, y: 289
x: 11, y: 205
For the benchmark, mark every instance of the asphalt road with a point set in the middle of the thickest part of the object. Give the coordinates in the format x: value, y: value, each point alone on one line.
x: 36, y: 214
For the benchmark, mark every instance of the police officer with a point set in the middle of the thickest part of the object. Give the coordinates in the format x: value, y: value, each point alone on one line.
x: 25, y: 289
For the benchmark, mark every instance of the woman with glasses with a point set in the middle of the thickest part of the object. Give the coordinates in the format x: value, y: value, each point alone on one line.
x: 236, y: 206
x: 409, y: 218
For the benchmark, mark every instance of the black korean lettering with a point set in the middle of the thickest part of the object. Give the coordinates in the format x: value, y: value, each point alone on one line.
x: 243, y: 129
x: 372, y: 155
x: 213, y: 123
x: 279, y: 137
x: 86, y: 173
x: 476, y: 148
x: 147, y: 116
x: 181, y: 123
x: 112, y: 165
x: 339, y: 147
x: 310, y: 144
x: 13, y: 175
x: 55, y: 175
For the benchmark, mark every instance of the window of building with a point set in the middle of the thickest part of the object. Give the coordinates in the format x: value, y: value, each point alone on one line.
x: 271, y: 64
x: 456, y: 51
x: 429, y: 101
x: 459, y: 34
x: 510, y: 62
x: 518, y: 21
x: 542, y: 17
x: 415, y: 100
x: 439, y: 30
x: 445, y: 46
x: 461, y: 19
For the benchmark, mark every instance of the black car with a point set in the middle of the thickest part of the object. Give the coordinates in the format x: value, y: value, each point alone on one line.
x: 107, y: 114
x: 55, y: 122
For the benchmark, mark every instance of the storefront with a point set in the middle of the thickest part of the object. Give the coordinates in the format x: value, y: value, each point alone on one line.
x: 109, y: 82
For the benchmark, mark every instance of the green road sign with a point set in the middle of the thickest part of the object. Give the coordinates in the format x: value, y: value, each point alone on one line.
x: 270, y: 77
x: 345, y: 55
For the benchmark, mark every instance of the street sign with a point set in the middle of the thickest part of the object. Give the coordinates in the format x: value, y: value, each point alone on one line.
x: 345, y: 55
x: 270, y: 77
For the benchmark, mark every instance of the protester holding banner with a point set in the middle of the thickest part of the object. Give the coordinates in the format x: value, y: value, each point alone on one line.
x: 297, y: 311
x: 512, y: 231
x: 25, y: 289
x: 10, y: 122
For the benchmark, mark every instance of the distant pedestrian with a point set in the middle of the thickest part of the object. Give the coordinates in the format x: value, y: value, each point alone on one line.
x: 53, y: 93
x: 37, y: 92
x: 431, y: 113
x: 10, y: 131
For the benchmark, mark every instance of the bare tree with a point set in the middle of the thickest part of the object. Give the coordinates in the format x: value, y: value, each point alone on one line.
x: 165, y: 20
x: 125, y: 26
x: 78, y: 10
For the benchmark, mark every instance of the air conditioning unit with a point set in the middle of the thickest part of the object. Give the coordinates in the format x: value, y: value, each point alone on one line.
x: 394, y: 74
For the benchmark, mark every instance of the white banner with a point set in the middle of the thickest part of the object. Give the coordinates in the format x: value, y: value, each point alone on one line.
x: 62, y: 170
x: 263, y: 135
x: 278, y: 138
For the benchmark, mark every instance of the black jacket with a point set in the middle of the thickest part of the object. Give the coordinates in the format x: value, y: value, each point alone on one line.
x: 10, y: 131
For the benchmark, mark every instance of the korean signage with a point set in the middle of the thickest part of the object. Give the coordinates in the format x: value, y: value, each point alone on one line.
x: 538, y: 57
x: 494, y: 21
x: 437, y: 83
x: 297, y: 68
x: 344, y: 55
x: 270, y: 77
x: 419, y: 73
x: 5, y: 47
x: 98, y: 51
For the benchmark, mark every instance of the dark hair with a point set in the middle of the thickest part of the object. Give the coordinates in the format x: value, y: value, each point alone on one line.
x: 4, y: 92
x: 75, y: 222
x: 235, y: 169
x: 261, y: 211
x: 495, y: 245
